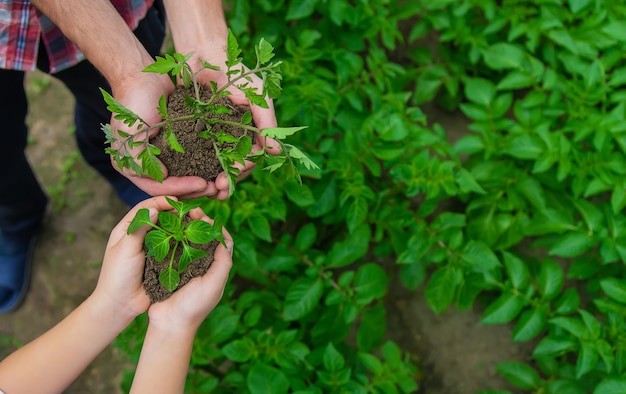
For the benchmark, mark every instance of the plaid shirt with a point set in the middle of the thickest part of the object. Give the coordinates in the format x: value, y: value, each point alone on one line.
x: 22, y: 26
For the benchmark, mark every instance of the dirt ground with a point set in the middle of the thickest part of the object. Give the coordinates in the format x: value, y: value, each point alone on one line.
x: 457, y: 354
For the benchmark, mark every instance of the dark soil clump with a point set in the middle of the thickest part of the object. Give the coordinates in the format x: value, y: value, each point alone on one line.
x: 153, y: 269
x: 199, y: 158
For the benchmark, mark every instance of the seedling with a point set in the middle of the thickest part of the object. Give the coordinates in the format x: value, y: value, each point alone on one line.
x: 173, y: 232
x: 229, y: 149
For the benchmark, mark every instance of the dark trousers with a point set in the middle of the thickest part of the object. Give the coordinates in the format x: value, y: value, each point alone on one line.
x: 22, y: 199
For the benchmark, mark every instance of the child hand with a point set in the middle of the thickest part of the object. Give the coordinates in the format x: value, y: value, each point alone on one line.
x: 187, y: 308
x: 120, y: 282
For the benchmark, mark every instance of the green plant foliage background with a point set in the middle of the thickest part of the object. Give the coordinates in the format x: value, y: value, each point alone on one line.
x: 525, y: 213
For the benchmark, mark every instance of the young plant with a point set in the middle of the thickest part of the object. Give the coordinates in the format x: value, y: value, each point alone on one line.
x: 229, y: 149
x: 172, y: 232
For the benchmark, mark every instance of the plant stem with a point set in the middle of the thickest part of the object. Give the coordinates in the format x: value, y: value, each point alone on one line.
x: 231, y: 82
x: 194, y: 80
x: 237, y: 124
x: 173, y: 253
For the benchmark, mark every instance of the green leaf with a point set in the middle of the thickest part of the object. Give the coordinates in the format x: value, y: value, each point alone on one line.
x: 167, y: 64
x: 613, y: 385
x: 480, y: 91
x: 615, y: 29
x: 371, y: 363
x: 533, y: 192
x: 303, y: 159
x: 516, y: 269
x: 264, y: 379
x: 618, y: 198
x: 260, y: 226
x: 550, y: 279
x: 169, y: 278
x: 302, y: 297
x: 467, y: 183
x: 479, y: 256
x: 246, y: 118
x: 253, y: 96
x: 371, y: 279
x: 582, y: 269
x: 519, y: 374
x: 353, y: 248
x: 232, y: 50
x: 242, y: 149
x: 209, y: 66
x: 504, y: 309
x: 555, y: 346
x: 572, y: 244
x: 280, y: 132
x: 300, y: 9
x: 252, y: 316
x: 264, y: 51
x: 179, y: 206
x: 188, y: 256
x: 158, y: 244
x: 441, y: 289
x: 141, y: 218
x: 150, y: 164
x: 614, y: 288
x: 572, y: 325
x: 587, y: 359
x: 502, y: 56
x: 563, y: 38
x: 372, y: 328
x: 325, y: 199
x: 357, y: 213
x: 201, y: 232
x: 593, y: 326
x: 170, y: 222
x: 172, y: 141
x: 306, y: 237
x: 524, y: 147
x: 240, y: 350
x: 300, y: 194
x: 222, y: 138
x: 530, y: 324
x: 162, y: 107
x: 516, y: 80
x: 605, y: 350
x: 120, y: 112
x: 333, y: 360
x: 393, y: 129
x: 568, y: 302
x: 391, y: 352
x: 577, y: 5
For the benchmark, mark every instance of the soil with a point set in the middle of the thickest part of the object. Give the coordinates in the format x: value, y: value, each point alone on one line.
x: 456, y: 354
x: 199, y: 157
x: 153, y: 269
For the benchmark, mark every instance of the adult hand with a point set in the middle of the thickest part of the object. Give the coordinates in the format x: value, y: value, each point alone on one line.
x: 263, y: 117
x: 140, y: 93
x: 187, y: 308
x: 120, y: 282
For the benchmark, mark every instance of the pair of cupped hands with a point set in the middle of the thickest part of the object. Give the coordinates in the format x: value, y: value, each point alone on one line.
x: 120, y: 281
x: 141, y: 93
x: 120, y: 284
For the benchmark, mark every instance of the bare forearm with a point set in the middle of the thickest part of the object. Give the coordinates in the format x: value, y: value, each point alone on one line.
x: 101, y: 34
x: 50, y: 363
x: 164, y: 361
x: 198, y: 26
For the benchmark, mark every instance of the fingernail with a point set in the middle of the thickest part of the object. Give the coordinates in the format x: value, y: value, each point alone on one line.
x: 230, y: 246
